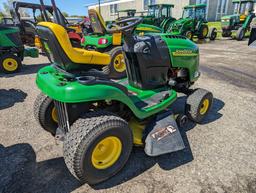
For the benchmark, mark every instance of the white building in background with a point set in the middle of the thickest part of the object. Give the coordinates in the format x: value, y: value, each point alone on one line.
x: 215, y: 8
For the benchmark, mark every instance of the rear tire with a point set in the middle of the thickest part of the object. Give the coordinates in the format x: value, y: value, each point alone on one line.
x: 198, y: 105
x: 117, y: 68
x: 10, y: 63
x: 44, y: 112
x: 86, y: 154
x: 203, y: 32
x: 240, y: 34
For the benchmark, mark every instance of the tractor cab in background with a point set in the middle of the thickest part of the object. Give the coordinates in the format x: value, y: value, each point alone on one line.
x: 193, y: 23
x: 240, y: 21
x: 159, y: 15
x: 126, y: 13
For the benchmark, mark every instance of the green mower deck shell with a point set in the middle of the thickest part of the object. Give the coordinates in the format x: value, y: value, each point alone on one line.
x: 93, y: 40
x: 51, y: 83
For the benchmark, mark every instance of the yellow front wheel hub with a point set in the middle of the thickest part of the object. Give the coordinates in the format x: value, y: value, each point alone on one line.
x: 119, y: 63
x: 106, y: 152
x: 10, y: 64
x: 54, y: 115
x: 204, y: 107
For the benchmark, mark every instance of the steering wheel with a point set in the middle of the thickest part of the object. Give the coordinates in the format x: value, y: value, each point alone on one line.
x: 128, y: 24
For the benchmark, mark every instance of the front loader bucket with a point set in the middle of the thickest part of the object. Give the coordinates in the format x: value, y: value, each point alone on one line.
x: 252, y: 40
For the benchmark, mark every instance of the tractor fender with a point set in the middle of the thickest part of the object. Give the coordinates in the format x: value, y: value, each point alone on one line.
x: 51, y: 83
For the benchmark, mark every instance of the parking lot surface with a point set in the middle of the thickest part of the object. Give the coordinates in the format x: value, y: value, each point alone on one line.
x: 220, y: 154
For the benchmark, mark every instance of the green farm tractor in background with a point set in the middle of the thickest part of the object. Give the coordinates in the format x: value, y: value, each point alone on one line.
x: 159, y: 15
x: 193, y: 23
x: 240, y: 21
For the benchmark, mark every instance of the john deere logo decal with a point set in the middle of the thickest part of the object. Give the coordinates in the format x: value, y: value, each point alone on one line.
x: 184, y: 53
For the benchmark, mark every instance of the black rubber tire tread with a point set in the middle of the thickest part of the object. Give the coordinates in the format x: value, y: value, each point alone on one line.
x: 42, y: 105
x: 3, y: 57
x: 201, y: 36
x: 194, y: 102
x: 109, y: 69
x: 83, y: 134
x: 212, y: 33
x: 240, y: 34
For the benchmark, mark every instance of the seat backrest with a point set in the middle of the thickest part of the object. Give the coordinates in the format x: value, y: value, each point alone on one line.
x: 58, y: 47
x: 97, y: 22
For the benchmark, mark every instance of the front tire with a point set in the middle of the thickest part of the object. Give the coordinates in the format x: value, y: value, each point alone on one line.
x: 45, y: 113
x: 97, y: 146
x: 198, y: 105
x: 213, y: 34
x: 240, y: 34
x: 10, y: 63
x: 117, y: 68
x: 203, y: 32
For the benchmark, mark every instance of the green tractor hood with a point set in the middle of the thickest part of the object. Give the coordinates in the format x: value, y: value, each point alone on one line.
x: 148, y: 29
x: 229, y: 20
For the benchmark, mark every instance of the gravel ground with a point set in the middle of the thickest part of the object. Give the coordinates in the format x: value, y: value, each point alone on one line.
x: 220, y: 154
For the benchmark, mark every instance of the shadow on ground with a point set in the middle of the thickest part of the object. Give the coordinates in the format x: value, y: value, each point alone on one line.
x: 25, y: 70
x: 23, y: 174
x: 8, y: 98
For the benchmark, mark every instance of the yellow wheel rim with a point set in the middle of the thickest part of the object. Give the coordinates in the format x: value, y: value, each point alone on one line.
x: 54, y: 115
x: 10, y: 64
x: 204, y: 106
x: 106, y: 152
x: 205, y: 32
x: 119, y: 63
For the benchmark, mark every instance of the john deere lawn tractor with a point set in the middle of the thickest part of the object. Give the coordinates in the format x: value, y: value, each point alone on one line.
x: 100, y: 119
x: 240, y: 21
x: 193, y: 23
x: 159, y: 15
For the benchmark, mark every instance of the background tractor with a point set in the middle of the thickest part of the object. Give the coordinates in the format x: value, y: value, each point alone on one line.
x: 159, y: 15
x: 240, y: 21
x: 12, y: 51
x: 193, y: 23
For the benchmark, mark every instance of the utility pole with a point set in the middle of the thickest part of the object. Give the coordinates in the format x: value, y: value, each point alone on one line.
x: 99, y: 7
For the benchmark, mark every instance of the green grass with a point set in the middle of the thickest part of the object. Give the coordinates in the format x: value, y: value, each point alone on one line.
x: 217, y: 25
